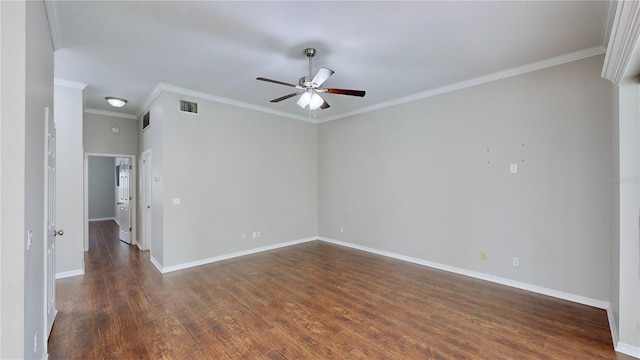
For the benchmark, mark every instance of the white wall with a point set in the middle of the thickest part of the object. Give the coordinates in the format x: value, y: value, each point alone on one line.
x: 430, y: 179
x: 235, y: 171
x: 99, y: 139
x: 27, y: 89
x: 102, y: 188
x: 68, y: 100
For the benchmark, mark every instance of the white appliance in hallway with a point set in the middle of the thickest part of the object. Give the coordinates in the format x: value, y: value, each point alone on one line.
x: 123, y: 171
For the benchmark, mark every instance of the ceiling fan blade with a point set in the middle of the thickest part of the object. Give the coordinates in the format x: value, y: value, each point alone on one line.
x: 325, y: 105
x: 321, y: 76
x: 286, y: 97
x: 275, y: 81
x: 346, y: 92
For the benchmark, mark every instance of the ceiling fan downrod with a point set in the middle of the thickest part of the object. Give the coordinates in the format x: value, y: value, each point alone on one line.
x: 306, y: 81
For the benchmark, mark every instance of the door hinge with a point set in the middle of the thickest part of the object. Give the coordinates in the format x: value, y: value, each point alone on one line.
x: 130, y: 167
x: 130, y: 197
x: 130, y: 230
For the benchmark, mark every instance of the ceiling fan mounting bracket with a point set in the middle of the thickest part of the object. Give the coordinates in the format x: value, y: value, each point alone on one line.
x: 310, y: 52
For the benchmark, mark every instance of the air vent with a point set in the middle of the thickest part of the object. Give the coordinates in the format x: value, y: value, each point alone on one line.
x: 146, y: 120
x: 188, y: 106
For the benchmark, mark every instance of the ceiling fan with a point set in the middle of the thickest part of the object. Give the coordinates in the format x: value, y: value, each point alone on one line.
x: 311, y: 87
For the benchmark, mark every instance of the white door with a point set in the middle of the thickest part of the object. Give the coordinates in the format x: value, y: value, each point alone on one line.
x: 145, y: 189
x: 50, y: 218
x: 124, y: 199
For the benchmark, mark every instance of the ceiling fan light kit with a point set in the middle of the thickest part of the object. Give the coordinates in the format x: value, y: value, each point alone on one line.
x: 311, y: 87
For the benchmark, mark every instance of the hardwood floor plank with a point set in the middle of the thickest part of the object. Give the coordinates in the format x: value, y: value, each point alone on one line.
x: 310, y: 301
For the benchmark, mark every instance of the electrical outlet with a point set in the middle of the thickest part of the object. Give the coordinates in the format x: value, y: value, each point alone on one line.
x: 341, y: 229
x: 258, y: 233
x: 483, y: 255
x: 255, y: 234
x: 516, y: 262
x: 243, y: 236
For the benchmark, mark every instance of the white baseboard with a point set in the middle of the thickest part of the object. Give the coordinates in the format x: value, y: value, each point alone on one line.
x: 155, y: 263
x: 191, y: 264
x: 66, y: 274
x: 103, y: 219
x: 495, y: 279
x: 612, y: 325
x: 137, y: 243
x: 627, y: 349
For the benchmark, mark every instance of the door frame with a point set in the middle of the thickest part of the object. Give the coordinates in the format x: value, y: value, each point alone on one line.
x: 145, y: 187
x: 134, y: 195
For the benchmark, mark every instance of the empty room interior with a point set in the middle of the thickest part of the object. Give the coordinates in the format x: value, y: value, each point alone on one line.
x: 320, y: 180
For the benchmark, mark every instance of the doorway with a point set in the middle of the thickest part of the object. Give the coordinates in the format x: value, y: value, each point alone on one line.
x: 110, y: 194
x: 145, y: 200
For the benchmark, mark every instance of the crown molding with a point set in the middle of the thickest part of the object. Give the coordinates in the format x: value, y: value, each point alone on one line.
x: 539, y: 65
x: 52, y: 16
x: 69, y: 83
x: 202, y: 95
x: 622, y: 41
x: 109, y: 113
x: 150, y: 99
x: 611, y: 13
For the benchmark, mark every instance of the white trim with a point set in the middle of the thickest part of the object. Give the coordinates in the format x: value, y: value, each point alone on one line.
x: 495, y: 279
x: 539, y: 65
x: 52, y: 16
x: 624, y: 36
x: 611, y: 14
x: 628, y: 349
x: 620, y: 347
x: 202, y: 95
x: 110, y: 113
x: 69, y: 83
x: 612, y: 326
x: 102, y: 219
x: 71, y: 273
x: 191, y: 264
x: 156, y: 263
x: 146, y: 105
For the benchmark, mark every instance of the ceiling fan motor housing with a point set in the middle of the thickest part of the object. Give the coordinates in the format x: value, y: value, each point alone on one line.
x: 306, y: 82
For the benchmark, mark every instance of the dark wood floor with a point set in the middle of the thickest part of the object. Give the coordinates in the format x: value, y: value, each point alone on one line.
x: 309, y: 301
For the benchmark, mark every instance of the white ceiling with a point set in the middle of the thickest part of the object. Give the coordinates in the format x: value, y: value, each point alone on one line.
x: 393, y: 50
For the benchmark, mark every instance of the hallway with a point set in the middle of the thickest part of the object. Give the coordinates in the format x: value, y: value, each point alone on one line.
x: 96, y: 311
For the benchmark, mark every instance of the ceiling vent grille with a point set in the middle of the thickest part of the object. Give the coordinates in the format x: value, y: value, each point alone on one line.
x: 188, y: 106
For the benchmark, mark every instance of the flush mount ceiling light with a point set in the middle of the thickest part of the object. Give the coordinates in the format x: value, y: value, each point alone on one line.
x: 116, y: 102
